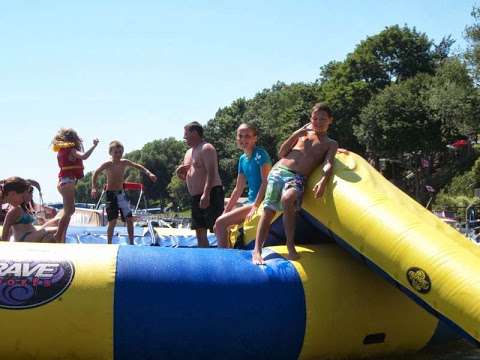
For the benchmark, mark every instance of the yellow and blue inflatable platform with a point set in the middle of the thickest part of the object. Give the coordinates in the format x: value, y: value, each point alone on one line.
x: 93, y: 301
x: 140, y: 302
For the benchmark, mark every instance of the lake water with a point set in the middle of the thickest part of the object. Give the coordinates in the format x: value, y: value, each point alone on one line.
x: 460, y: 350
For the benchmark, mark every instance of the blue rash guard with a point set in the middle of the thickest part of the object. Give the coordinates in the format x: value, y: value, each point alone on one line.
x: 251, y: 168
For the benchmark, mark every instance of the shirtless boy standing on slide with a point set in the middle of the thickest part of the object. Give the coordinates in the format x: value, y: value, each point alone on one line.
x: 299, y: 155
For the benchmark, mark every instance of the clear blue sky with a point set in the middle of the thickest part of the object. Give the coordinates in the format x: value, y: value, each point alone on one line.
x: 138, y: 70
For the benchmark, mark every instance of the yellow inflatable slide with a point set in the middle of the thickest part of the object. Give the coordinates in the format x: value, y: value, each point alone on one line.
x: 429, y: 260
x: 375, y: 221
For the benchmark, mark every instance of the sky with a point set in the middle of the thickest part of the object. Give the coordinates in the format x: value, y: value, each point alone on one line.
x: 137, y: 71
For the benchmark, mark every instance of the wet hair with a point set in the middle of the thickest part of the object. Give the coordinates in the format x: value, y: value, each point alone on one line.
x: 68, y: 135
x: 34, y: 184
x: 320, y: 106
x: 114, y: 144
x: 29, y: 206
x: 250, y: 127
x: 195, y: 126
x: 16, y: 184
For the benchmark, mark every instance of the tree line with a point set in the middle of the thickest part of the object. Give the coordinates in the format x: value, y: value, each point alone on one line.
x: 398, y: 95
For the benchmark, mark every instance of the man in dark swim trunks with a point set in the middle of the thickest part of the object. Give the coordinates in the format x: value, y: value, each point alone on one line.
x: 200, y: 170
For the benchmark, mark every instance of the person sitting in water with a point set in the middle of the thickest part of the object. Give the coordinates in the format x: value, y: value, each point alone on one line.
x: 253, y: 167
x: 307, y: 148
x: 17, y: 192
x: 116, y: 198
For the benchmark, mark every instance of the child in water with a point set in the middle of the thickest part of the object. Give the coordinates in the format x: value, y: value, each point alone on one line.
x: 69, y: 147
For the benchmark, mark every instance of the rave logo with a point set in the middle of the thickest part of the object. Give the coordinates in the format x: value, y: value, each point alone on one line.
x: 419, y: 280
x: 27, y: 283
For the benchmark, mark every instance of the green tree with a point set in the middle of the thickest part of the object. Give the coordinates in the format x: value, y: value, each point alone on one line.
x: 161, y: 157
x: 83, y: 189
x: 472, y: 54
x: 177, y: 190
x: 397, y: 121
x: 392, y: 56
x: 459, y: 192
x: 453, y: 100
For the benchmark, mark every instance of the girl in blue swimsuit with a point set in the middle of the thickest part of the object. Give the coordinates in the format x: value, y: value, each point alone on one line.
x: 17, y: 192
x: 253, y: 168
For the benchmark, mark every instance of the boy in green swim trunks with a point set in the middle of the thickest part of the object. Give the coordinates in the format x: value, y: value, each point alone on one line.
x: 299, y: 155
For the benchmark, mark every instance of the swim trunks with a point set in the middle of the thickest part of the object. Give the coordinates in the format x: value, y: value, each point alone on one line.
x: 65, y: 180
x: 45, y: 237
x: 117, y: 201
x: 205, y: 218
x: 281, y: 178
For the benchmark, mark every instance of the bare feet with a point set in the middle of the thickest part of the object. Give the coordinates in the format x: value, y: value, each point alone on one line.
x: 292, y: 254
x: 257, y: 258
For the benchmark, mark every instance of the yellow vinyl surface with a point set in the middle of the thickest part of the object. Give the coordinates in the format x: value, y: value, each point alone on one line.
x: 410, y: 244
x: 346, y: 302
x: 84, y: 310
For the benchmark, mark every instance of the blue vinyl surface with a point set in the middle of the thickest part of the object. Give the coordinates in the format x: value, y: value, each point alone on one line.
x: 206, y: 304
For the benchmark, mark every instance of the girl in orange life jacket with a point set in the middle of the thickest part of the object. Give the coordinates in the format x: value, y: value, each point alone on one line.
x: 70, y: 160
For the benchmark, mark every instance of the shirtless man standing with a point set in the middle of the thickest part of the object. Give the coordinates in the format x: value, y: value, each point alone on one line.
x: 299, y: 155
x: 200, y: 170
x: 116, y: 198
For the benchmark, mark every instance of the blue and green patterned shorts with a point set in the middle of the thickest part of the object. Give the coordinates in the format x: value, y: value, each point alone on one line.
x: 280, y: 179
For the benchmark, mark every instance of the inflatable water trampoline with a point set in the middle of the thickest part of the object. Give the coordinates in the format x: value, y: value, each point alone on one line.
x: 88, y: 300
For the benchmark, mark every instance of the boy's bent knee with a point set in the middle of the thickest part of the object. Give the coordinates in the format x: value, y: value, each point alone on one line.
x: 267, y: 215
x: 289, y: 198
x: 220, y: 223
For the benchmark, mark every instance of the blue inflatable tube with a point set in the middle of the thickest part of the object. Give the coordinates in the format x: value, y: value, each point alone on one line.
x: 206, y: 304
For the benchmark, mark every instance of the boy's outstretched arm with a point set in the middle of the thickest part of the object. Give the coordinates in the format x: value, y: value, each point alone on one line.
x: 95, y: 177
x: 327, y: 168
x: 141, y: 168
